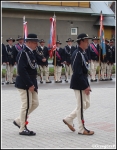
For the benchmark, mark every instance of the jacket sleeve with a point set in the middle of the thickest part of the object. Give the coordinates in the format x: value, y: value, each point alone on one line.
x: 22, y: 63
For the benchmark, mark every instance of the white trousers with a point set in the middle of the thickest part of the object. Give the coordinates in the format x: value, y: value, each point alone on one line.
x: 57, y: 73
x: 26, y: 106
x: 9, y: 69
x: 42, y: 70
x: 77, y: 111
x: 68, y: 71
x: 93, y: 68
x: 109, y: 70
x: 103, y: 70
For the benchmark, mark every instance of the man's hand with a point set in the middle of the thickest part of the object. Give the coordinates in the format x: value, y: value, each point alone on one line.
x: 31, y: 88
x: 87, y: 91
x: 44, y: 59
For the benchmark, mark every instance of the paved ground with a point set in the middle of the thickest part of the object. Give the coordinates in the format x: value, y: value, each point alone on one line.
x: 56, y: 101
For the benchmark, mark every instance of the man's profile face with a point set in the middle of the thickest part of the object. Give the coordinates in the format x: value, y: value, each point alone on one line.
x: 33, y: 45
x: 85, y: 43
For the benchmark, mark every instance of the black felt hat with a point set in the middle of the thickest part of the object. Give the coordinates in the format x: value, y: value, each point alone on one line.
x: 19, y: 38
x: 106, y: 40
x: 69, y: 40
x: 41, y: 41
x: 95, y: 38
x: 32, y: 37
x: 10, y: 39
x: 58, y: 42
x: 111, y: 40
x: 83, y: 36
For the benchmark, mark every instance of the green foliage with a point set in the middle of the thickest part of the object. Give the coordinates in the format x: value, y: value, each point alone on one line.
x: 51, y: 71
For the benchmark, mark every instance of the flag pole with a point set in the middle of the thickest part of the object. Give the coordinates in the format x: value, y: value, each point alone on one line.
x: 23, y: 27
x: 55, y: 49
x: 100, y: 45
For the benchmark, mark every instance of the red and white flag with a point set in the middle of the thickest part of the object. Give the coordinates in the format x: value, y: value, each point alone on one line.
x: 25, y: 29
x: 52, y: 40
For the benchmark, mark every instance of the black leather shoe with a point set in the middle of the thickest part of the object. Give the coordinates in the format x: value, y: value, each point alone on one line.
x: 48, y: 81
x: 41, y: 81
x: 102, y: 80
x: 14, y: 122
x: 95, y: 80
x: 56, y: 81
x: 66, y: 80
x: 7, y: 82
x: 12, y: 83
x: 2, y: 83
x: 111, y: 79
x: 27, y: 132
x: 92, y: 80
x: 59, y: 81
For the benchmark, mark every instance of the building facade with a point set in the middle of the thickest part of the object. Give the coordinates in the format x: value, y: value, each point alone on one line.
x: 72, y: 18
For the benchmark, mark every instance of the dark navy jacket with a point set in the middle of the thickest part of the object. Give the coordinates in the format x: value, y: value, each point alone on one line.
x: 79, y: 79
x: 91, y: 53
x: 10, y: 55
x: 42, y: 53
x: 109, y: 54
x: 27, y: 71
x: 58, y: 60
x: 113, y: 54
x: 104, y: 59
x: 17, y: 48
x: 68, y: 53
x: 4, y: 54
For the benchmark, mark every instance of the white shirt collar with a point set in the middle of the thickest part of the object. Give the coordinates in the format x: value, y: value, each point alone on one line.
x: 29, y: 48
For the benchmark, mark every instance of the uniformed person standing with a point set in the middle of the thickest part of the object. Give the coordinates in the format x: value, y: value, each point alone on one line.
x: 68, y: 50
x: 18, y: 47
x: 80, y: 85
x: 26, y: 82
x: 94, y: 57
x: 58, y: 57
x: 43, y: 64
x: 4, y: 57
x: 11, y: 60
x: 104, y: 61
x: 110, y: 60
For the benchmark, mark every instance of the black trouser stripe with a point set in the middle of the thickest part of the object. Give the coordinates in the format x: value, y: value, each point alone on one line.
x: 27, y: 106
x: 81, y: 105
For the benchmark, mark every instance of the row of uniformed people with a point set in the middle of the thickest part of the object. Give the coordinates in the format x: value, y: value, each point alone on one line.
x: 63, y: 56
x: 107, y: 61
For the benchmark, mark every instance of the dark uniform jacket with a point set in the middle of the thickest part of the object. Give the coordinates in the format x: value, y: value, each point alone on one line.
x: 79, y: 79
x: 27, y: 71
x: 59, y: 57
x: 104, y: 59
x: 4, y: 54
x: 40, y: 54
x: 113, y: 54
x: 110, y: 55
x: 91, y: 53
x: 68, y: 53
x: 10, y: 55
x: 17, y: 48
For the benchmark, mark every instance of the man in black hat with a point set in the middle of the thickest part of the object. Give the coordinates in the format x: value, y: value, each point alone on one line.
x: 68, y: 50
x: 58, y: 57
x: 80, y: 85
x: 11, y: 60
x: 18, y: 47
x: 110, y: 59
x: 26, y: 82
x: 94, y: 57
x: 43, y: 53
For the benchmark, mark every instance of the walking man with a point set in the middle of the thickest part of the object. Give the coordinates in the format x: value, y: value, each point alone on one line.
x: 26, y: 83
x: 80, y: 85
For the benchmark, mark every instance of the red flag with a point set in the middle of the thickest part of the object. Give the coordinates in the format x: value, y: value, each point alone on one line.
x: 25, y: 29
x: 52, y: 40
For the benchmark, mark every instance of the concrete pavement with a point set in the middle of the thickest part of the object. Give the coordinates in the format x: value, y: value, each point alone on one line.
x: 54, y: 104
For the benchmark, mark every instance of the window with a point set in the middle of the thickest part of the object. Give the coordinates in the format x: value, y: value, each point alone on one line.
x: 73, y: 31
